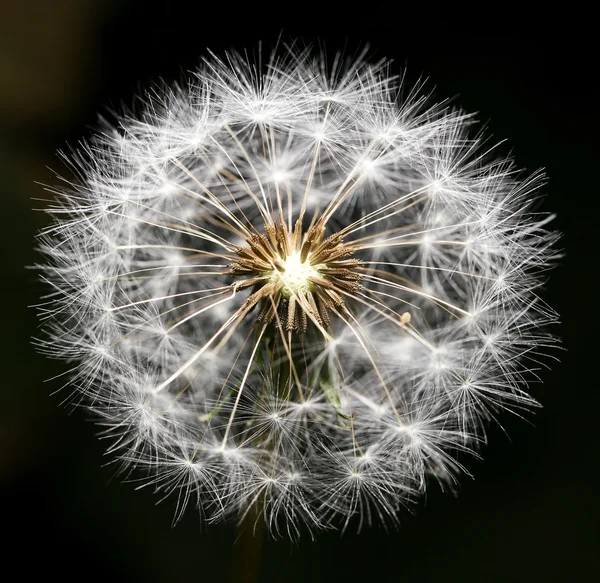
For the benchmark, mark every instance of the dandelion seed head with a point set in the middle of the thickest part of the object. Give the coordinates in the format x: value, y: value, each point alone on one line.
x: 287, y: 286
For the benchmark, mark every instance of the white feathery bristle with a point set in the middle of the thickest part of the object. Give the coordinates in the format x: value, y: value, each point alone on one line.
x: 385, y: 355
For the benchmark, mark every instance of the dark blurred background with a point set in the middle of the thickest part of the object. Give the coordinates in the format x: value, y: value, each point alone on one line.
x: 531, y: 512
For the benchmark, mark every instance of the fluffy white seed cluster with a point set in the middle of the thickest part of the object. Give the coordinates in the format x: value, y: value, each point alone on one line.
x: 300, y: 289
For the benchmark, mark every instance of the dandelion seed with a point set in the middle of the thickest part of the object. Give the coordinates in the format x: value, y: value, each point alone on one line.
x: 289, y: 289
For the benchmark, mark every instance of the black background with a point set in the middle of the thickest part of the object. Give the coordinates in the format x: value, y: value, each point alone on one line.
x: 531, y: 512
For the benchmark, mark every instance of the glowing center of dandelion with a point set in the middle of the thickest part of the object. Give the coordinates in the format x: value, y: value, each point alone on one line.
x: 295, y: 277
x: 298, y: 277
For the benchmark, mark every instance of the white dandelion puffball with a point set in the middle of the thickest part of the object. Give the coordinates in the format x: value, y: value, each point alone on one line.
x: 296, y: 289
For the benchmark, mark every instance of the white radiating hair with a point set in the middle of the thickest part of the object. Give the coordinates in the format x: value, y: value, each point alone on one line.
x: 334, y: 418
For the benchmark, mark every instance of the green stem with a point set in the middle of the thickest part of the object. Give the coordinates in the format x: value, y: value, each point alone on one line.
x: 247, y: 549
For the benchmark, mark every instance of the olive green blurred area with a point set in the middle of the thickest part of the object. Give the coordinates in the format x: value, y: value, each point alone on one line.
x: 530, y: 514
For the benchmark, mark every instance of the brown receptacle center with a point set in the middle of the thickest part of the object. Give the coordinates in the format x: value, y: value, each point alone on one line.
x: 297, y: 276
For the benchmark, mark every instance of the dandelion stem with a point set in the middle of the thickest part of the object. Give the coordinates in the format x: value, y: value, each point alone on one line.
x: 248, y: 545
